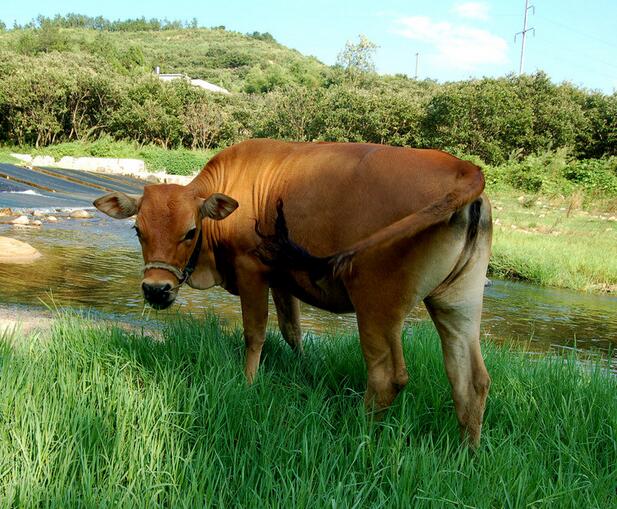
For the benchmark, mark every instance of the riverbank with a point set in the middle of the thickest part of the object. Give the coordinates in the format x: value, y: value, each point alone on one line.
x: 30, y: 323
x: 99, y: 416
x: 548, y: 242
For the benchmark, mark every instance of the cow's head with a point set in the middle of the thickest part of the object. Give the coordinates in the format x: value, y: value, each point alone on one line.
x: 168, y: 224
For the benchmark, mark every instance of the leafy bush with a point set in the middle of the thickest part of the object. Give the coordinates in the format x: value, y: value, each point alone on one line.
x: 599, y: 175
x: 538, y: 173
x: 340, y: 113
x: 176, y: 162
x: 555, y: 173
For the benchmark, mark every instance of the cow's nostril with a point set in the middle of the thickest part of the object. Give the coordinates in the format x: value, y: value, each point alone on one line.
x: 155, y: 289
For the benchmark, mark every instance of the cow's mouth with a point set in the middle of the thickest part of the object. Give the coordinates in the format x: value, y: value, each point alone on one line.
x: 161, y: 304
x: 159, y: 296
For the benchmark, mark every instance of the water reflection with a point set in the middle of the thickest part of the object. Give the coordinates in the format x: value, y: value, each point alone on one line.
x: 97, y: 263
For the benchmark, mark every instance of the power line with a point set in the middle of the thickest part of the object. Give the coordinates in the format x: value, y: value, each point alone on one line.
x: 523, y: 35
x: 573, y: 29
x: 580, y: 63
x: 584, y: 54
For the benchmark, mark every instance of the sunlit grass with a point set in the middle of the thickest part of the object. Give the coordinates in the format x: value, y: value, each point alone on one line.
x: 552, y: 246
x: 6, y: 157
x: 577, y: 263
x: 98, y: 417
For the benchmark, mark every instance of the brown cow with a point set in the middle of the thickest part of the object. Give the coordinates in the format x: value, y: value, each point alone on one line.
x: 347, y: 227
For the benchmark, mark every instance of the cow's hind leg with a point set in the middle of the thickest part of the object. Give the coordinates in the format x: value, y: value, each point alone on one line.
x: 456, y: 311
x: 288, y: 314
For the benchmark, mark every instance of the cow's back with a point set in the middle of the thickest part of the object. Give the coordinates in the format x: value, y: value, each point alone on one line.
x: 335, y: 194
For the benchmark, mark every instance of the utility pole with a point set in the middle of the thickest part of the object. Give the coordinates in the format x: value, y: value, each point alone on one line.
x: 523, y: 35
x: 417, y: 61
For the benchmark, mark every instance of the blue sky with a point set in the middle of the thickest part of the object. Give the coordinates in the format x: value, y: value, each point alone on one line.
x: 574, y: 40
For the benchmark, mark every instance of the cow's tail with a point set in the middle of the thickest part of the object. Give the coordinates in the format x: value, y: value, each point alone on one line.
x: 279, y: 251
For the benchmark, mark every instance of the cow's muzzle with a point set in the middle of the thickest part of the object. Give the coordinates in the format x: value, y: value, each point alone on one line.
x: 160, y: 295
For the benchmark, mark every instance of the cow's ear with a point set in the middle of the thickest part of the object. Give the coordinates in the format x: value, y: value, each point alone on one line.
x: 218, y: 206
x: 118, y: 205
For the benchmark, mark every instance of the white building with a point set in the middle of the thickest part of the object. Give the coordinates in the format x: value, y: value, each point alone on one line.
x: 211, y: 87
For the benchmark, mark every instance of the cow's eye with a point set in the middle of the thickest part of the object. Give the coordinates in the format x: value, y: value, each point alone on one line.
x: 137, y: 232
x: 190, y: 234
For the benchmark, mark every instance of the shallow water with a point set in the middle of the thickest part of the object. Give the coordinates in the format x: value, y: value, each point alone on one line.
x: 97, y: 263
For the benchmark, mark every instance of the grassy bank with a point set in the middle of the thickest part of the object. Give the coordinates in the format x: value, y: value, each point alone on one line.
x: 5, y: 157
x: 99, y: 417
x: 550, y: 242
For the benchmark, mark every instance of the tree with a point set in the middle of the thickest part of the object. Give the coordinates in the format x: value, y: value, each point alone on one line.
x: 203, y: 121
x: 357, y: 58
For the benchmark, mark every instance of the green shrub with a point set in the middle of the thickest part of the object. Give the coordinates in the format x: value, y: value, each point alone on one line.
x: 554, y: 173
x: 536, y: 173
x: 483, y: 117
x: 176, y: 162
x: 598, y: 175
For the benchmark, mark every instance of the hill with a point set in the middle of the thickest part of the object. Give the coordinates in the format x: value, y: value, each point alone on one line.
x: 242, y: 63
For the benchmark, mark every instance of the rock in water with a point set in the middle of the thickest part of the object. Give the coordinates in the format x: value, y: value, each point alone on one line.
x: 21, y: 220
x: 16, y: 251
x: 80, y: 214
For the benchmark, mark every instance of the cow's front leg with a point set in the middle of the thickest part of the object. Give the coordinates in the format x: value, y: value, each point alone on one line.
x: 253, y: 290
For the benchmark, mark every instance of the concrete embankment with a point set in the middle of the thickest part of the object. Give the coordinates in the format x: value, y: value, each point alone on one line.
x: 109, y: 165
x: 52, y: 189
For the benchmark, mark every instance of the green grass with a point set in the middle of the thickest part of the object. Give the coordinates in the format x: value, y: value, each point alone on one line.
x: 548, y: 245
x: 571, y: 262
x: 98, y: 417
x: 5, y: 156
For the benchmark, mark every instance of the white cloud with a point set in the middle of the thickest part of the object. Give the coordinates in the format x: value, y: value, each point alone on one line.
x: 473, y: 10
x: 457, y: 46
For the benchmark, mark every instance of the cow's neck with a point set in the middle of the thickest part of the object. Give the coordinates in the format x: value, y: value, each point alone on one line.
x: 207, y: 273
x: 210, y: 179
